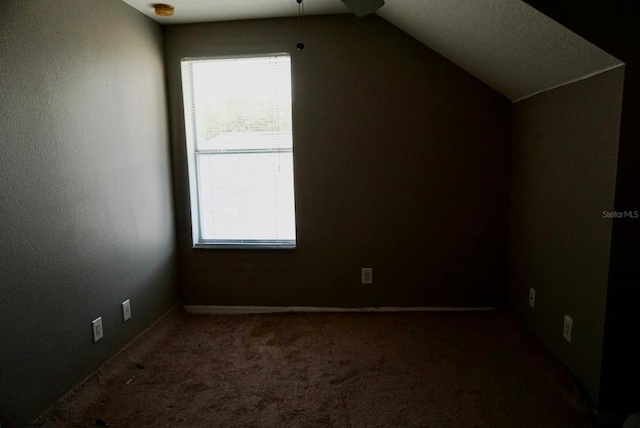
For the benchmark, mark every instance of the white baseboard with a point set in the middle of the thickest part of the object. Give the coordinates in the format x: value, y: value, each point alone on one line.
x: 209, y: 310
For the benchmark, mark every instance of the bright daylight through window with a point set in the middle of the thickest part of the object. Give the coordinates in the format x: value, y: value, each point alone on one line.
x: 240, y: 151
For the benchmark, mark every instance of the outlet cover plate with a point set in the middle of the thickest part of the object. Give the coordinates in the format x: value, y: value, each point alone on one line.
x: 126, y: 310
x: 532, y: 297
x: 96, y: 325
x: 367, y: 275
x: 568, y: 326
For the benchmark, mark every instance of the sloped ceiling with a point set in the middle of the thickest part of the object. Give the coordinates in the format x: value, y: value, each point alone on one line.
x: 507, y: 44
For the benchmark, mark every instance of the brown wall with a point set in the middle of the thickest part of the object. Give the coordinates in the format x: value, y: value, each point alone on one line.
x: 85, y: 192
x: 401, y: 164
x: 565, y: 149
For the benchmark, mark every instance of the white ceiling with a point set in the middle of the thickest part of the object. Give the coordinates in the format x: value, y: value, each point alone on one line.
x: 507, y: 44
x: 188, y: 11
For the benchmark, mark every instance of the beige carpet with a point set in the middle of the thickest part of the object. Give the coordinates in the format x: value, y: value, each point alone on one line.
x: 321, y: 370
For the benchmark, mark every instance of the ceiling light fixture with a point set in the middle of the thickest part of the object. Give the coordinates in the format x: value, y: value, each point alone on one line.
x: 163, y: 9
x: 363, y: 7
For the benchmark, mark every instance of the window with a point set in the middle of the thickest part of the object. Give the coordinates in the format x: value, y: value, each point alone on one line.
x: 240, y: 151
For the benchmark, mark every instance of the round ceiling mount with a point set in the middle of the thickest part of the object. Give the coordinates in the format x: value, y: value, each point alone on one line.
x: 163, y: 9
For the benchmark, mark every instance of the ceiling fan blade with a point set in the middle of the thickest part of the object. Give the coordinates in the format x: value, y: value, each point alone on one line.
x: 363, y: 7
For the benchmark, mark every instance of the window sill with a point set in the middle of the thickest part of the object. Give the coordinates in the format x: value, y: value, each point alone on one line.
x: 245, y: 246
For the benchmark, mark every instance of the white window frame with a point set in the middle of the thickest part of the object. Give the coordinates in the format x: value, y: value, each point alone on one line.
x: 192, y: 164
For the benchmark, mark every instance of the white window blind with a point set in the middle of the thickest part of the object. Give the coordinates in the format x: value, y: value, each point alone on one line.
x: 240, y: 151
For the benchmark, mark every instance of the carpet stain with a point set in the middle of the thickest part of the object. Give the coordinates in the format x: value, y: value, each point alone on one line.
x: 195, y: 387
x: 262, y: 329
x: 285, y: 338
x: 349, y: 375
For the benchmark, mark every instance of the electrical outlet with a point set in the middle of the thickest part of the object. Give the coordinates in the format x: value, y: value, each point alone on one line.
x: 97, y: 329
x: 126, y: 310
x: 568, y: 325
x: 532, y: 297
x: 367, y: 275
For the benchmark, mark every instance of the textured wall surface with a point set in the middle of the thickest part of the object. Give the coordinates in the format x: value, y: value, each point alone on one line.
x: 86, y: 212
x: 565, y: 150
x: 401, y: 164
x: 614, y: 27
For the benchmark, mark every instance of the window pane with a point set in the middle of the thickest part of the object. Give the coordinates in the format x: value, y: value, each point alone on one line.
x: 241, y: 95
x: 246, y: 196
